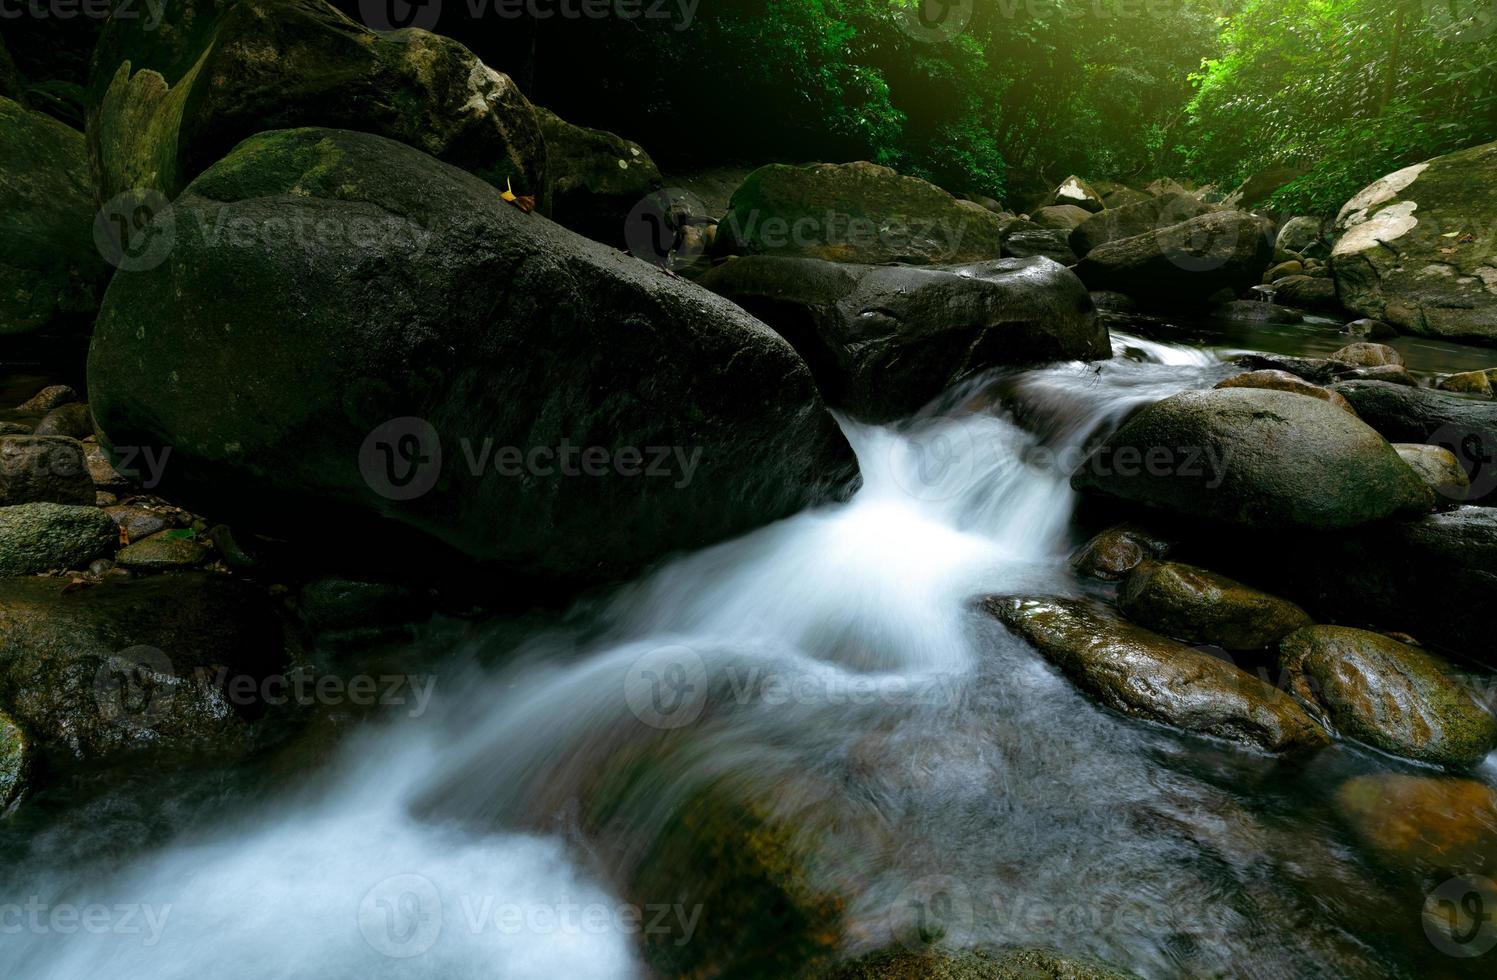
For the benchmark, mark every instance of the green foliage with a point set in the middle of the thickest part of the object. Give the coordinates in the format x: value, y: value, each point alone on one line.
x: 1353, y: 89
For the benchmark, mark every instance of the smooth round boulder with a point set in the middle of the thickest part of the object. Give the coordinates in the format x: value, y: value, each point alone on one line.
x: 1145, y: 216
x: 1187, y: 264
x: 1275, y: 380
x: 42, y: 536
x: 1369, y: 328
x: 884, y: 341
x: 1298, y: 233
x: 1062, y: 217
x: 1197, y: 606
x: 162, y: 552
x: 71, y: 420
x: 855, y: 212
x: 1142, y: 674
x: 1465, y: 426
x: 1368, y: 355
x: 1389, y: 695
x: 1469, y: 383
x: 1439, y: 469
x: 1257, y: 458
x: 1308, y: 293
x: 440, y: 366
x: 51, y: 272
x: 1115, y: 552
x: 1075, y: 192
x: 43, y: 469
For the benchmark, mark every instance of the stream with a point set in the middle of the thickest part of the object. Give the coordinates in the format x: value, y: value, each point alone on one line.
x: 829, y: 674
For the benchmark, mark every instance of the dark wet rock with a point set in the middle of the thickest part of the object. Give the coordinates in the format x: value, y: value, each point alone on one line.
x: 1426, y: 822
x: 1197, y: 606
x: 229, y: 549
x: 46, y: 400
x: 1469, y: 383
x: 1142, y: 674
x: 1285, y: 269
x: 1316, y: 370
x: 1124, y: 196
x: 1118, y: 550
x: 1060, y: 217
x: 1254, y: 457
x: 15, y: 762
x: 1030, y: 241
x: 102, y: 472
x: 91, y: 672
x: 43, y: 469
x: 1261, y: 186
x: 138, y: 522
x: 70, y: 420
x: 1414, y: 248
x: 855, y: 212
x: 1439, y: 469
x: 974, y: 964
x: 1144, y: 217
x: 597, y: 178
x: 1187, y: 264
x: 1391, y: 373
x: 883, y: 341
x: 343, y: 605
x: 1107, y: 302
x: 1308, y: 293
x: 38, y: 537
x: 1253, y: 311
x: 386, y: 410
x: 1284, y: 381
x: 1435, y: 578
x: 170, y: 99
x: 1387, y: 694
x: 1075, y: 192
x: 51, y: 272
x: 1465, y: 426
x: 162, y: 552
x: 1298, y: 234
x: 1368, y: 355
x: 1371, y: 329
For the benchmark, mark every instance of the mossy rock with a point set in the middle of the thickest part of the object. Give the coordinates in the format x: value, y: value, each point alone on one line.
x: 51, y: 272
x: 169, y: 101
x: 15, y: 762
x: 597, y: 178
x: 1388, y: 694
x: 855, y: 212
x: 42, y: 536
x: 1198, y: 606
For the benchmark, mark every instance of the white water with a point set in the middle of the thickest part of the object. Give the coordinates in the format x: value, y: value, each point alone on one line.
x: 411, y: 844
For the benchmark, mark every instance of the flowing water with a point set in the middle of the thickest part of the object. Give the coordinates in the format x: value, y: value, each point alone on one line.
x: 830, y: 675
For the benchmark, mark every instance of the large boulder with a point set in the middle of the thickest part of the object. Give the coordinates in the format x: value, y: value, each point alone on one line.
x: 1402, y: 414
x: 1075, y: 192
x: 441, y: 361
x: 1387, y: 694
x: 1274, y: 380
x: 1060, y: 217
x: 1416, y: 249
x: 51, y: 272
x: 883, y: 341
x: 1131, y: 220
x: 43, y: 469
x: 39, y: 537
x: 1144, y: 675
x: 1263, y: 184
x: 1308, y: 293
x: 159, y: 662
x: 855, y: 212
x: 1255, y: 457
x: 597, y: 178
x: 1186, y: 264
x: 1197, y: 606
x: 1298, y: 235
x: 1025, y: 240
x: 170, y: 99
